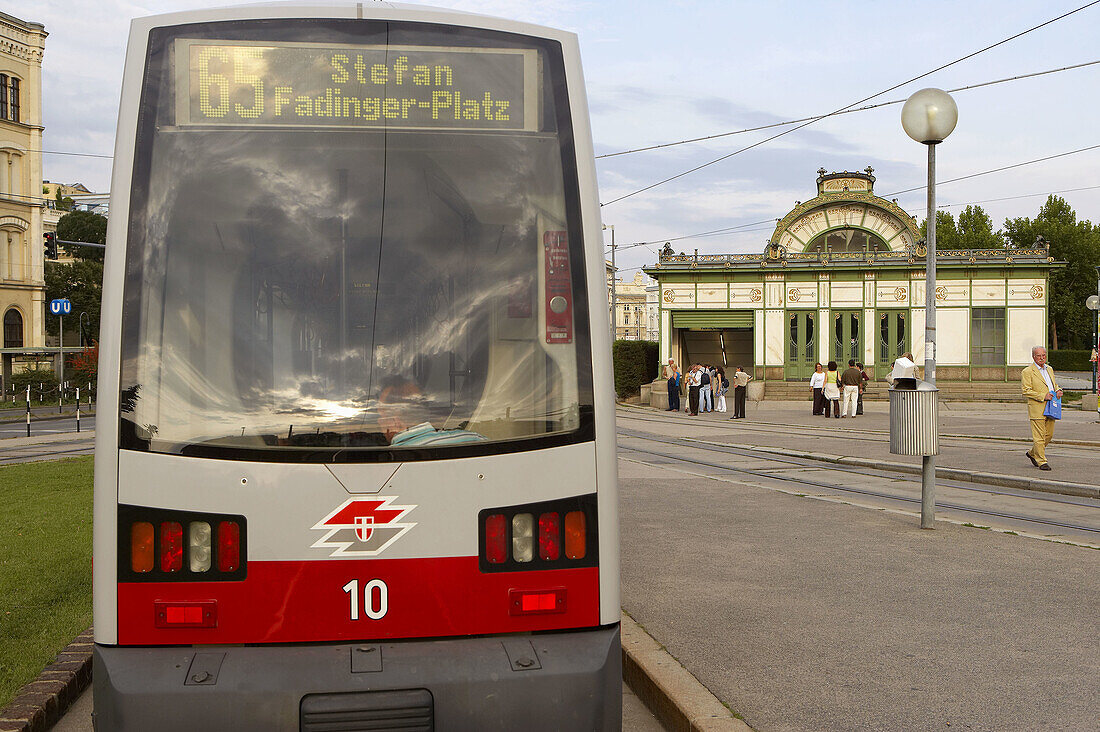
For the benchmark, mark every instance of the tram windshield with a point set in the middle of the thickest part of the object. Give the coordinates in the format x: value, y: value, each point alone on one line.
x: 353, y: 241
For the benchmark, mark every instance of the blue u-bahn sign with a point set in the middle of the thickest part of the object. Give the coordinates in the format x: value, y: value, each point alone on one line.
x: 61, y: 307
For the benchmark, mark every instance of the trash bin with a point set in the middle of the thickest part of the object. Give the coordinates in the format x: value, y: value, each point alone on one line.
x: 913, y: 414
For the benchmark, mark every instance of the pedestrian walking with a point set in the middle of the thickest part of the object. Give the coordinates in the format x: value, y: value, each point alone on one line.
x: 693, y: 391
x: 740, y: 387
x: 862, y: 387
x: 851, y: 380
x: 723, y: 386
x: 1044, y: 405
x: 817, y: 385
x: 672, y: 374
x: 831, y: 391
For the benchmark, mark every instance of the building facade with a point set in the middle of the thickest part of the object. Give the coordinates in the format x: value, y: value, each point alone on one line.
x: 22, y: 289
x: 843, y: 277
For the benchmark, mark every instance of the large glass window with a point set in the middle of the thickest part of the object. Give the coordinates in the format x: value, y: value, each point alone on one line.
x: 987, y: 337
x: 356, y: 287
x: 13, y: 329
x: 847, y: 240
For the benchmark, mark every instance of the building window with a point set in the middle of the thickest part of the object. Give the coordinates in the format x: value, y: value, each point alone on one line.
x: 987, y: 337
x: 13, y: 329
x: 9, y: 98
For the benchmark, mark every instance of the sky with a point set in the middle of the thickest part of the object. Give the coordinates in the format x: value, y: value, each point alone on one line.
x: 662, y: 72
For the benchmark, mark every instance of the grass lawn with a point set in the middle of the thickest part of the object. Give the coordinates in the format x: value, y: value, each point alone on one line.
x: 45, y: 565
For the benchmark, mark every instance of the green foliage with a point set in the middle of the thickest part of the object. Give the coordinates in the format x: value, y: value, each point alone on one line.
x: 1078, y: 244
x: 973, y: 231
x: 635, y: 364
x: 63, y: 204
x: 1070, y: 360
x: 41, y: 374
x: 83, y: 226
x: 82, y: 284
x: 82, y: 281
x: 45, y: 565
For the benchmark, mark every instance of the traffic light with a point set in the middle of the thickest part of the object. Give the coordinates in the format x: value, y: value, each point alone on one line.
x: 51, y: 245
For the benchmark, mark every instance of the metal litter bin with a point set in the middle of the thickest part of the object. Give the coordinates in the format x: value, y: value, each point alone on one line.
x: 913, y: 419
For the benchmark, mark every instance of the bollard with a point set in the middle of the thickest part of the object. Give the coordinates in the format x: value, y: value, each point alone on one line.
x: 28, y: 410
x: 78, y: 409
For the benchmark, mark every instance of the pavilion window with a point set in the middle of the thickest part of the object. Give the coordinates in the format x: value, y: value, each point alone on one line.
x: 987, y: 337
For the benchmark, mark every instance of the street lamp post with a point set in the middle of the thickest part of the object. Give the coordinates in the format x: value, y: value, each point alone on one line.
x: 614, y: 328
x: 928, y: 117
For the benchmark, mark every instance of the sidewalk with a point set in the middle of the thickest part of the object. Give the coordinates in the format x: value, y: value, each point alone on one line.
x: 810, y: 614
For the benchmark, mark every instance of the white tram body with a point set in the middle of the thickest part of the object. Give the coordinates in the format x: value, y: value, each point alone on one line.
x: 360, y: 469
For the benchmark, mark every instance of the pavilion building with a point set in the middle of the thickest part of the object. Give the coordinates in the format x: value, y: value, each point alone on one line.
x: 843, y: 277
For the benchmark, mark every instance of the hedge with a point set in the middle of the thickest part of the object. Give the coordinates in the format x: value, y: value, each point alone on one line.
x: 635, y: 364
x: 1067, y: 360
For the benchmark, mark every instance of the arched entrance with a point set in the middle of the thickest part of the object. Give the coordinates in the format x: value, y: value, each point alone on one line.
x: 13, y: 329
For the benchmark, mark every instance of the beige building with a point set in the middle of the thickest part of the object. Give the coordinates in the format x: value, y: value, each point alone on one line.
x: 632, y: 317
x: 22, y: 289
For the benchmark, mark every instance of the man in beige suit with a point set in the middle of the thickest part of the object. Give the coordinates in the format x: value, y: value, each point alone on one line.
x: 1039, y: 386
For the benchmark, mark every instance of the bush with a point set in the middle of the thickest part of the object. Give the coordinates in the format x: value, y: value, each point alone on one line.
x: 40, y: 374
x: 1067, y: 360
x: 635, y: 364
x: 84, y: 366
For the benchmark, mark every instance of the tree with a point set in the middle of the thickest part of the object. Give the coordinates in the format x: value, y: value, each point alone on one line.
x: 976, y: 230
x: 947, y: 236
x: 82, y: 281
x: 1078, y: 244
x: 83, y: 226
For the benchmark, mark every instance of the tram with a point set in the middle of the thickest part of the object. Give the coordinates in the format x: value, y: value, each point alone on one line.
x: 361, y: 468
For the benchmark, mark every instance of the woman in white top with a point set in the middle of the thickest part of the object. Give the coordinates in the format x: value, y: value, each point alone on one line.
x: 817, y: 386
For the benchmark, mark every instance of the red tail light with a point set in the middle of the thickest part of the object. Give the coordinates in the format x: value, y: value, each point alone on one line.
x: 496, y: 538
x: 549, y: 536
x: 557, y: 534
x: 167, y: 545
x: 171, y: 547
x: 229, y: 546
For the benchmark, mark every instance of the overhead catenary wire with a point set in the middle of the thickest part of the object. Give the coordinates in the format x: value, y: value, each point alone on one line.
x: 847, y: 106
x: 846, y: 111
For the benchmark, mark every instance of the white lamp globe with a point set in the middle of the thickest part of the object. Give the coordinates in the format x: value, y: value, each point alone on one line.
x: 929, y: 116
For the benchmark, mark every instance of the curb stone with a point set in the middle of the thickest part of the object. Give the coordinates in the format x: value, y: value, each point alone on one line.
x: 668, y: 689
x: 39, y: 704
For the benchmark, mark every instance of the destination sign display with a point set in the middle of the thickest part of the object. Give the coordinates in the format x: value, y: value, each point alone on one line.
x: 238, y: 83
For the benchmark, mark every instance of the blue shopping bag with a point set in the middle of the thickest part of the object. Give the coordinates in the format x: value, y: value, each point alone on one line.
x: 1053, y: 408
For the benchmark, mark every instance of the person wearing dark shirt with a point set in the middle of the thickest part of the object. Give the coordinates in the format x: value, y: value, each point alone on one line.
x: 851, y: 380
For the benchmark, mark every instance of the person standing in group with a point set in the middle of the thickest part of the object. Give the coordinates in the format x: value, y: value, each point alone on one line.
x: 817, y: 385
x: 851, y: 380
x: 706, y: 394
x: 723, y: 385
x: 740, y: 387
x: 1040, y: 387
x: 862, y: 387
x: 831, y: 391
x: 672, y: 373
x: 693, y: 390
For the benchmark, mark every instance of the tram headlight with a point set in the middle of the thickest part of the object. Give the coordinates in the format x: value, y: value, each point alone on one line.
x: 523, y: 537
x: 199, y: 536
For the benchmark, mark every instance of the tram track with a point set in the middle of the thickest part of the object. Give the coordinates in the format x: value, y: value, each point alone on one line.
x: 876, y: 435
x: 1090, y: 530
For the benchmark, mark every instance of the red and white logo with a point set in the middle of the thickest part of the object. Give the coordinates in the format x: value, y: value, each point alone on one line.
x: 363, y: 527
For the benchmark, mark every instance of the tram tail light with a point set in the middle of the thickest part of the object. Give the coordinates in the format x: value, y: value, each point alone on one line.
x: 157, y: 545
x: 536, y: 602
x: 229, y: 546
x: 141, y: 547
x: 575, y: 543
x: 559, y: 534
x: 171, y: 547
x: 549, y: 536
x: 496, y: 539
